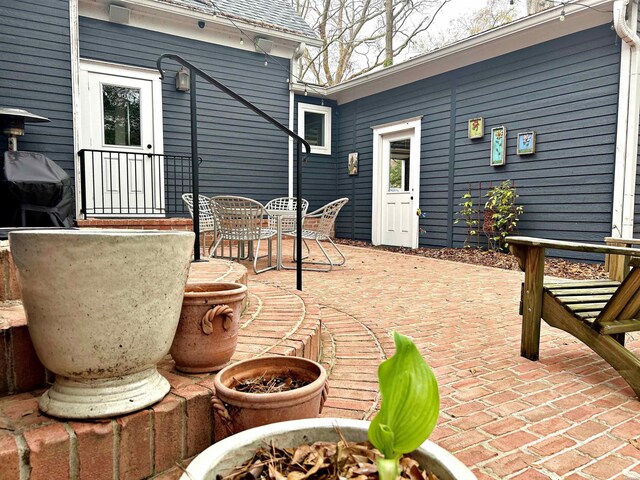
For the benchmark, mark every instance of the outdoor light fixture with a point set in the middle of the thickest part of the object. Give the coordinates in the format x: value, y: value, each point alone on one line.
x: 183, y: 80
x: 562, y: 13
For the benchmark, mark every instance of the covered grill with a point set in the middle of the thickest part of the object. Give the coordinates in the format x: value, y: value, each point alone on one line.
x: 34, y: 190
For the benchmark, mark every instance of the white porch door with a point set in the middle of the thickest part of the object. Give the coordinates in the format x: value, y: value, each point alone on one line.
x: 117, y: 127
x: 397, y: 185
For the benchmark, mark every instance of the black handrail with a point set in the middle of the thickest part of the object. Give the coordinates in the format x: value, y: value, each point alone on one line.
x: 194, y: 153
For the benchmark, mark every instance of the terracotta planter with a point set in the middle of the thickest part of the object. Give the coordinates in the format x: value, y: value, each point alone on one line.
x: 102, y: 308
x: 223, y: 456
x: 207, y: 333
x: 236, y: 411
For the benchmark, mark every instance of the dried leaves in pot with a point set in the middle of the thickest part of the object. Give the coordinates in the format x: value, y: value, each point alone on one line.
x: 321, y: 461
x: 269, y: 384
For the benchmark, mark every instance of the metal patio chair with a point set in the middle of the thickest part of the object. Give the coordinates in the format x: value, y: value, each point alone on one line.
x: 207, y: 220
x: 285, y: 204
x: 240, y: 220
x: 321, y: 231
x: 282, y: 218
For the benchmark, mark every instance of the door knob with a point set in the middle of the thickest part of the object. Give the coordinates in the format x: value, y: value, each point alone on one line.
x: 149, y: 146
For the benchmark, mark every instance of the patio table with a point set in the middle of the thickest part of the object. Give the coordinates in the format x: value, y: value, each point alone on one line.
x: 279, y: 215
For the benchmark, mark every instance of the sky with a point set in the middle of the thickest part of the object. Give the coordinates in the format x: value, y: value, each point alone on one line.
x: 457, y: 8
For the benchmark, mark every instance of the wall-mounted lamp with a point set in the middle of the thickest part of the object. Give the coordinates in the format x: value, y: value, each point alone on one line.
x: 562, y: 15
x: 299, y: 51
x: 183, y: 80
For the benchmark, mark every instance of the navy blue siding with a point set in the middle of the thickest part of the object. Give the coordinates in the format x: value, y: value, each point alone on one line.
x: 242, y: 154
x: 565, y: 90
x: 36, y: 75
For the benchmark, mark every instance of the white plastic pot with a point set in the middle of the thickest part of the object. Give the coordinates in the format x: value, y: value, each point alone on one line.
x: 102, y: 308
x: 223, y: 456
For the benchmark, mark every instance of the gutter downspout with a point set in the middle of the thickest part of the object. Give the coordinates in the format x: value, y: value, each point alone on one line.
x: 626, y: 157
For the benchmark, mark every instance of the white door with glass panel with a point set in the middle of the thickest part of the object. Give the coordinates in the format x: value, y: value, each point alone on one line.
x: 398, y: 214
x: 118, y: 132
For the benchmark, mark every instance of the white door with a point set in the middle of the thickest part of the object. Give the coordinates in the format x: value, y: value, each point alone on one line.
x: 397, y: 211
x: 123, y: 173
x: 396, y: 184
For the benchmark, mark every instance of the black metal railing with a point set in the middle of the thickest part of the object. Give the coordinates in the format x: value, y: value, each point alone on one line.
x: 195, y: 72
x: 116, y: 183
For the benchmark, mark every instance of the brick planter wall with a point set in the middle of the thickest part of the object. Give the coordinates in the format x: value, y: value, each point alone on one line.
x: 137, y: 223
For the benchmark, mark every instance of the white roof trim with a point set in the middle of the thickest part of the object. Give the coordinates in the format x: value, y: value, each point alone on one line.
x: 164, y: 13
x: 531, y: 30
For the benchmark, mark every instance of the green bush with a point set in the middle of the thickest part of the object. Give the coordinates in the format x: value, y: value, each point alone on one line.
x: 505, y: 213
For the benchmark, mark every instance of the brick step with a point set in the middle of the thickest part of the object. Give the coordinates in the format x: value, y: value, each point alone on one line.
x: 147, y: 443
x: 20, y: 369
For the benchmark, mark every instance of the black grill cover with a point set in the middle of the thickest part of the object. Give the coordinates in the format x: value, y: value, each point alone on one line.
x: 35, y: 192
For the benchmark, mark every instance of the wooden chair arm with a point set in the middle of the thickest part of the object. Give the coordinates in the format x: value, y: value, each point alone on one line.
x: 621, y: 241
x: 574, y: 246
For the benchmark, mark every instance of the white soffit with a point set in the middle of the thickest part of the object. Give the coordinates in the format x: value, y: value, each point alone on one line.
x: 164, y: 18
x: 528, y: 31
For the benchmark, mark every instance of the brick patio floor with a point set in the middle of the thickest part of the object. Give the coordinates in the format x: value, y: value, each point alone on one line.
x: 568, y: 415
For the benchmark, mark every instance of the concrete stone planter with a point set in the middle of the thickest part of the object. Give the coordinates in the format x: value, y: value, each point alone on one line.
x: 223, y: 456
x: 102, y: 308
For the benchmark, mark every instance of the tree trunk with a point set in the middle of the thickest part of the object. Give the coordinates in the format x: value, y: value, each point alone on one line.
x: 388, y: 33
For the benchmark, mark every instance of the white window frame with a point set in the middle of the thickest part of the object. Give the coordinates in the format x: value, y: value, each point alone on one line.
x: 326, y: 111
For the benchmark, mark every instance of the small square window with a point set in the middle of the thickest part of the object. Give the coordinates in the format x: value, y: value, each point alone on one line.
x: 314, y: 125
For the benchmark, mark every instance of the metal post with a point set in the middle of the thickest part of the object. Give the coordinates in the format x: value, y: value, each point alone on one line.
x: 195, y: 188
x: 83, y: 187
x: 298, y: 217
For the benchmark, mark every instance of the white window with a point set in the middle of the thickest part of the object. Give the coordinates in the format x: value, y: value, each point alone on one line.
x: 314, y: 125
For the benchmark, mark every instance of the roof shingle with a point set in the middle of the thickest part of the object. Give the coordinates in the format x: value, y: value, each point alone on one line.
x: 272, y: 14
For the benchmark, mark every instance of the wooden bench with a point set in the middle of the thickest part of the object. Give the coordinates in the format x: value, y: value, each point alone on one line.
x: 597, y: 312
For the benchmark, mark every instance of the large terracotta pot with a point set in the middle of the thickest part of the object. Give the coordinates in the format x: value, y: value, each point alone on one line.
x: 222, y: 457
x: 236, y: 411
x: 207, y: 333
x: 102, y: 308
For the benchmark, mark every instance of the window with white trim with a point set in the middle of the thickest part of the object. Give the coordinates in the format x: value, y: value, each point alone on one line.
x: 314, y: 125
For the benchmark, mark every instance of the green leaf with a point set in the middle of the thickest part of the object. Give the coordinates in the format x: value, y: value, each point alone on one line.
x: 410, y: 401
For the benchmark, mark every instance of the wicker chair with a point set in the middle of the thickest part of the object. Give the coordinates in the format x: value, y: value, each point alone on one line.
x: 285, y: 204
x: 207, y: 220
x: 326, y: 218
x: 240, y: 220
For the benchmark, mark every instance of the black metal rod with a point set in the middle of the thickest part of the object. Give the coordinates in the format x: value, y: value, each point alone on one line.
x: 83, y: 187
x: 192, y: 68
x: 301, y: 141
x: 195, y: 185
x: 298, y: 217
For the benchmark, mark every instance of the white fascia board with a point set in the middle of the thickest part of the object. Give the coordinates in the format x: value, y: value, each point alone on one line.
x: 172, y: 20
x: 528, y: 31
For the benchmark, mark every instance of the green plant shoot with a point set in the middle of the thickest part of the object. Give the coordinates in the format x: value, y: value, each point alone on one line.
x: 410, y: 406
